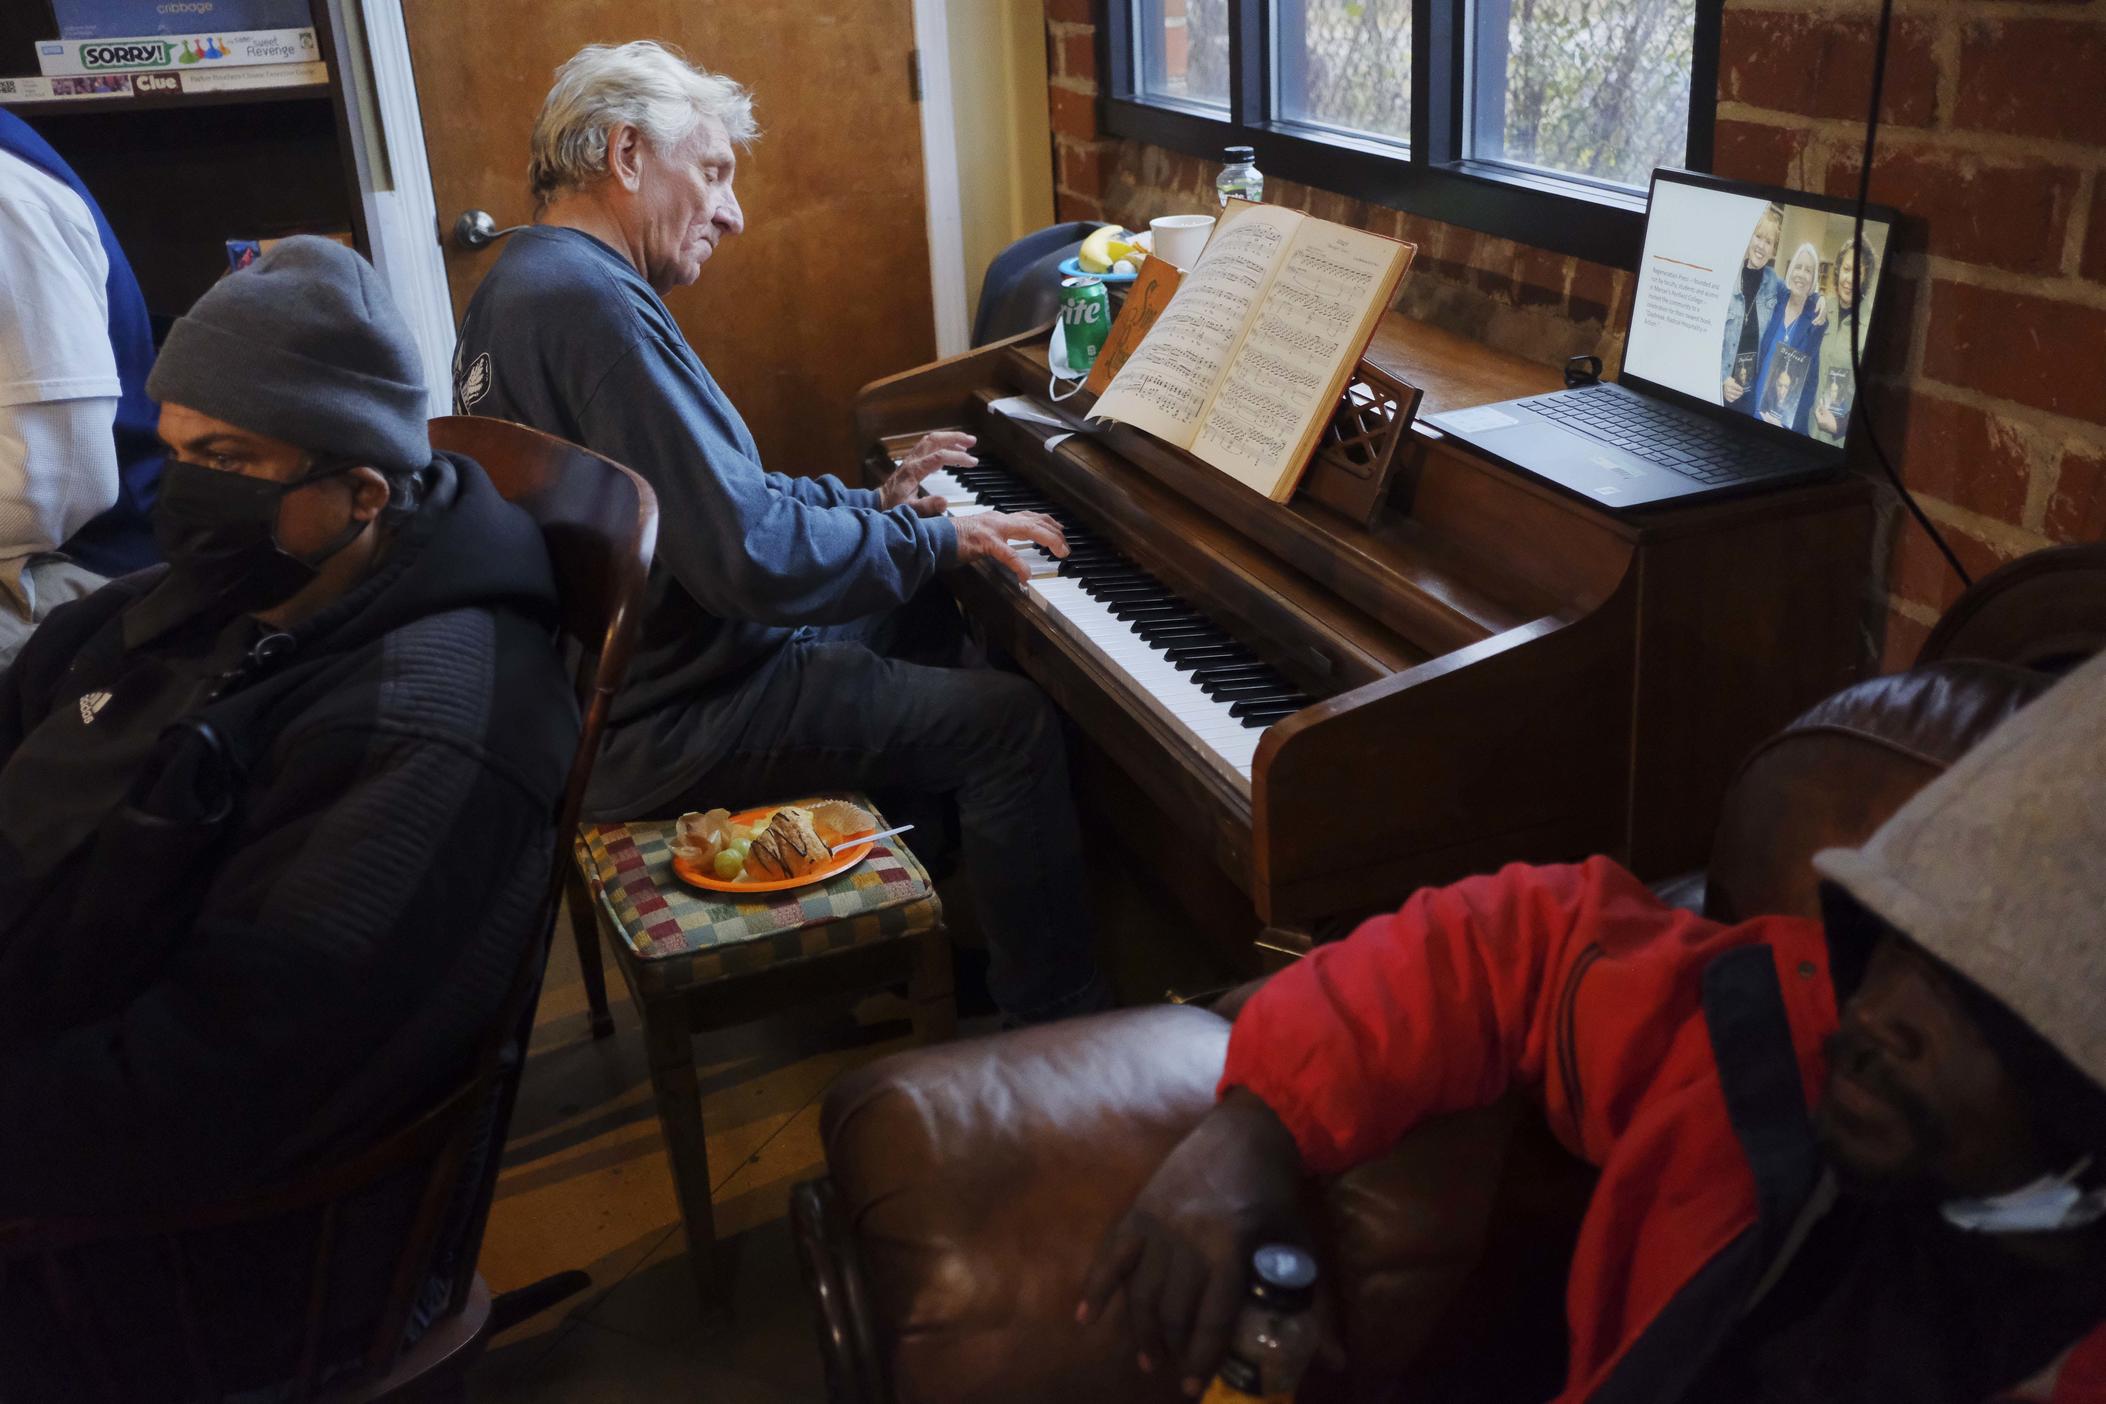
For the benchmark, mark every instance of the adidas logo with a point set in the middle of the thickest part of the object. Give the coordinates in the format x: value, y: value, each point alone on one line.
x: 91, y: 704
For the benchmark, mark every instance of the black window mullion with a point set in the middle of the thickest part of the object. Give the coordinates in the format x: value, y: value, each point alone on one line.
x: 1703, y: 83
x: 1436, y: 80
x: 1250, y: 101
x: 1115, y: 48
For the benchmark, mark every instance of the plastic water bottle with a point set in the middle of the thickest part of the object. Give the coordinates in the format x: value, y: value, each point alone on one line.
x: 1275, y: 1334
x: 1240, y: 177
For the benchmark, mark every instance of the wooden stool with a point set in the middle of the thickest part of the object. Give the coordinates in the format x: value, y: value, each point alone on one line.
x: 696, y: 961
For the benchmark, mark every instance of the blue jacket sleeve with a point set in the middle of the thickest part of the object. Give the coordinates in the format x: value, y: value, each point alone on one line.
x: 826, y: 490
x: 743, y: 546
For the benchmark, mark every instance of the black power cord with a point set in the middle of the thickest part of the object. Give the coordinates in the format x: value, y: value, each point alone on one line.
x: 1857, y: 241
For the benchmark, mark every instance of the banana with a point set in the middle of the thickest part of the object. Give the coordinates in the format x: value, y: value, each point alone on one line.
x: 1104, y: 247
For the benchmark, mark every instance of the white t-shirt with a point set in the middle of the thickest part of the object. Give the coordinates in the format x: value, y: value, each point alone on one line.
x: 58, y: 376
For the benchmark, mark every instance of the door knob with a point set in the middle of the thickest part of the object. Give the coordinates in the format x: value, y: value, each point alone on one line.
x: 476, y: 230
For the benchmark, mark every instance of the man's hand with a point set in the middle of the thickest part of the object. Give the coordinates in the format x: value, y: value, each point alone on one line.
x: 943, y: 449
x: 988, y: 534
x: 1183, y: 1251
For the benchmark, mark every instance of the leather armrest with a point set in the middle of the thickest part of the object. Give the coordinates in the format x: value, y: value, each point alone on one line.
x: 978, y: 1178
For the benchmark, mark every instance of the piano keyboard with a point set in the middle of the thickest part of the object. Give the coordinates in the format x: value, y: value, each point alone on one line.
x: 1191, y: 669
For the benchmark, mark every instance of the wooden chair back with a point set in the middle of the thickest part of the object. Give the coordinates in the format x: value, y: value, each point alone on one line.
x: 600, y: 522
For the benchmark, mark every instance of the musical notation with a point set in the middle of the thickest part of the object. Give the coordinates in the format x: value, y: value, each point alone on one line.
x: 1245, y: 362
x: 1166, y: 385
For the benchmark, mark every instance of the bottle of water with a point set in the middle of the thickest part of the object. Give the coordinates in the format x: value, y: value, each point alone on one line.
x: 1275, y: 1334
x: 1240, y: 177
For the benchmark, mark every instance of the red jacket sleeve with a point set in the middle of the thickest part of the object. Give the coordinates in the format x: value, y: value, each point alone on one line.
x: 1474, y: 989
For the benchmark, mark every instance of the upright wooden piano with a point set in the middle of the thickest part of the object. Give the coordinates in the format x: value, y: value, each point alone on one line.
x: 1493, y: 671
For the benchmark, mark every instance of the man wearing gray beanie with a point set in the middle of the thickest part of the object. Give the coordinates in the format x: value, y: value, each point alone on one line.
x: 1862, y: 1158
x: 275, y: 819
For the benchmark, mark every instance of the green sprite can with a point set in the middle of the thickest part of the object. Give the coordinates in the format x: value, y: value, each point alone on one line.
x: 1085, y: 320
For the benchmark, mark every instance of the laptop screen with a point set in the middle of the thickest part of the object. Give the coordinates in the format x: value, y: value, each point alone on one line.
x: 1744, y: 302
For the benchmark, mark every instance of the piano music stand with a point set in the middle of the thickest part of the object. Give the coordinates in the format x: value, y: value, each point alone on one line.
x: 1358, y: 454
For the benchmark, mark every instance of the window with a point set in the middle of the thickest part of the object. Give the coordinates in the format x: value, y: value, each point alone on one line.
x: 1594, y: 88
x: 1345, y: 64
x: 1184, y: 51
x: 1534, y: 120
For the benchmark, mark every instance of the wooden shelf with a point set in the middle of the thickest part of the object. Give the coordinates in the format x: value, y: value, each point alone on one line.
x: 72, y: 107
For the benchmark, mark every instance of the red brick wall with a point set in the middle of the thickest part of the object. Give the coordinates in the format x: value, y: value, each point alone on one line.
x: 1993, y: 141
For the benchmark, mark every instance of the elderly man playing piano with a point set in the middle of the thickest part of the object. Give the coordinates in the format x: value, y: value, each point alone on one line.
x: 788, y: 644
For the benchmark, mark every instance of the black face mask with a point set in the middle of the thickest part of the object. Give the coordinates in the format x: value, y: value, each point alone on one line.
x: 219, y: 531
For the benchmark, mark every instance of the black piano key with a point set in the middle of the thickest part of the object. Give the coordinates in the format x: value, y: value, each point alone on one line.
x: 1179, y: 632
x: 1164, y: 645
x: 1264, y: 713
x: 1186, y: 662
x: 1232, y: 674
x: 1248, y: 692
x: 1208, y: 651
x: 1254, y: 694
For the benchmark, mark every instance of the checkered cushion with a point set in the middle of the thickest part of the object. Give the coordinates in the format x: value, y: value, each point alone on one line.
x: 673, y: 936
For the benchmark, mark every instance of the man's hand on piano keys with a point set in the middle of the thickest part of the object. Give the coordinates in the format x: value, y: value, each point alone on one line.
x: 987, y: 536
x: 945, y: 448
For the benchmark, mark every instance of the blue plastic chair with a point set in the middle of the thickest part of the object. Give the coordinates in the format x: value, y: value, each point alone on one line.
x: 1022, y: 286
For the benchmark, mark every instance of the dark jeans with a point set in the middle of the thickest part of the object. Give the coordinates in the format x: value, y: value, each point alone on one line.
x: 880, y: 705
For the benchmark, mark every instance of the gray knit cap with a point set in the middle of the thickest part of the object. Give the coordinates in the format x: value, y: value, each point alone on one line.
x: 304, y: 345
x: 1998, y: 867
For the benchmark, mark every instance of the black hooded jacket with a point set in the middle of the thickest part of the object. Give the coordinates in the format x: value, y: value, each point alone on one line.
x: 291, y: 923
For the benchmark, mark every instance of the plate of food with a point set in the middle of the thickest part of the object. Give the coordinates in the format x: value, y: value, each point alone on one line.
x: 1111, y: 254
x: 772, y: 848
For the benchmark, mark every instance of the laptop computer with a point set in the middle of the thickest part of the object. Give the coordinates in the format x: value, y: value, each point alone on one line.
x: 1725, y: 386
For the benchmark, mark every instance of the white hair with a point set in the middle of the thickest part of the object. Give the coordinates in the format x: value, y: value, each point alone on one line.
x: 1811, y: 254
x: 643, y: 84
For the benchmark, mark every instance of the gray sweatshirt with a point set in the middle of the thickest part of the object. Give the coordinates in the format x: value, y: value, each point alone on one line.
x: 565, y: 336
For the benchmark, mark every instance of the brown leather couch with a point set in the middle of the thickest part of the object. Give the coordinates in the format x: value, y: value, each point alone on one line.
x: 968, y: 1185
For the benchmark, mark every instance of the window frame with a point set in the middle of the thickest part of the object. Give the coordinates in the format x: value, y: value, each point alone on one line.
x: 1430, y: 176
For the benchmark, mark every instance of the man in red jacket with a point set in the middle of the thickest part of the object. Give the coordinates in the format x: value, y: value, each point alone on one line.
x: 1840, y: 1160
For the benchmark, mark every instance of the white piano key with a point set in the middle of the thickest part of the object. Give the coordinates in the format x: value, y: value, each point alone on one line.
x: 1146, y: 668
x: 1152, y: 673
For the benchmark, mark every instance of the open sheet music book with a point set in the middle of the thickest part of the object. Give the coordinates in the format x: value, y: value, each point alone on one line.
x: 1246, y: 365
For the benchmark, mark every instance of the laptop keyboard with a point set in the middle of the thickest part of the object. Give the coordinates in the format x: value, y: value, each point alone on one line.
x: 1687, y: 443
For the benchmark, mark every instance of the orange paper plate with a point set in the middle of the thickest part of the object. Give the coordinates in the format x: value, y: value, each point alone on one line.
x: 741, y: 886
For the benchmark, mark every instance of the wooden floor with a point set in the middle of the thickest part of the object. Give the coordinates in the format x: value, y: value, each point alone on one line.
x: 586, y: 1182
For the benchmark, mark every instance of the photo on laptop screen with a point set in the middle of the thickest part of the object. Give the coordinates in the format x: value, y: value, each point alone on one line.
x: 1746, y: 303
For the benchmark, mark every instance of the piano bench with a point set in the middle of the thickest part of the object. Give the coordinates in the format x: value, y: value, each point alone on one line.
x: 697, y: 961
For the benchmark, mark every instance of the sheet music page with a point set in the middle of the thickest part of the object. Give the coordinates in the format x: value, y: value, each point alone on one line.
x: 1166, y: 386
x: 1310, y: 322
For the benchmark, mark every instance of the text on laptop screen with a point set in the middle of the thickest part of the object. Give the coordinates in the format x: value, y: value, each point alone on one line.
x: 1746, y: 304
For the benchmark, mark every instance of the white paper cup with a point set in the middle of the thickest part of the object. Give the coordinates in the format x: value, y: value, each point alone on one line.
x: 1179, y: 238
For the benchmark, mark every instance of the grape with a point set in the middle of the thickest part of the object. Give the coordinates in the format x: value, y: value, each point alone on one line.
x: 729, y: 865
